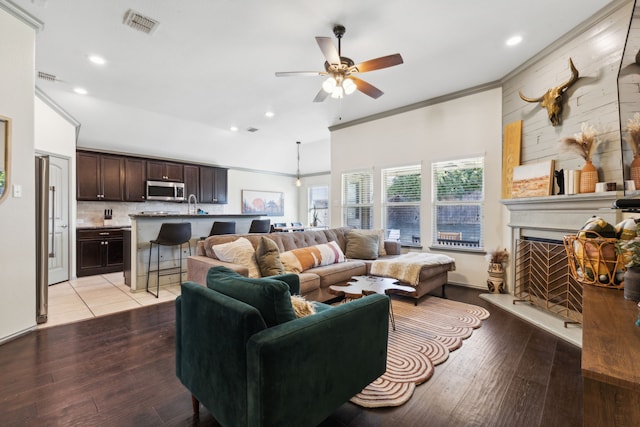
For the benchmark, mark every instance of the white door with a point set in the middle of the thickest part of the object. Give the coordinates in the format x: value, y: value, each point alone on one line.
x: 58, y: 220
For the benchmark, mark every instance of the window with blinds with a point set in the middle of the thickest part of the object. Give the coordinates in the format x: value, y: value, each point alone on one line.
x: 357, y: 199
x: 401, y: 198
x: 318, y: 206
x: 458, y: 203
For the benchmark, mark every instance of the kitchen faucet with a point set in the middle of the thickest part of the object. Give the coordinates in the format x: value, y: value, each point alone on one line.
x: 195, y: 204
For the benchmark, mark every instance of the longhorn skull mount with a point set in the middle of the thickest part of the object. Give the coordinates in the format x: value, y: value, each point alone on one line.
x: 552, y: 98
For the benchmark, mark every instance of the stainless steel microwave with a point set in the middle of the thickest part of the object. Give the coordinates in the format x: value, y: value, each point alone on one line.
x: 165, y: 191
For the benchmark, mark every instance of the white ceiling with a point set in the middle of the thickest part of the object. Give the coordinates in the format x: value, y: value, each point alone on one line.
x: 210, y: 65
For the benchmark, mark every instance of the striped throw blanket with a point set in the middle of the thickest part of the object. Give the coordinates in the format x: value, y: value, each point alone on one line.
x: 406, y: 268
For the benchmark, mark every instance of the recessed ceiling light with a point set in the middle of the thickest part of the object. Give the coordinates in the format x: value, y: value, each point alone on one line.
x: 512, y: 41
x: 97, y: 59
x: 80, y: 91
x: 233, y: 128
x: 269, y: 114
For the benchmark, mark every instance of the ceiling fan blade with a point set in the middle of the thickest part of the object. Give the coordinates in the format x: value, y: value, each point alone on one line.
x: 321, y: 96
x: 377, y: 63
x: 367, y: 88
x: 300, y: 73
x: 328, y: 50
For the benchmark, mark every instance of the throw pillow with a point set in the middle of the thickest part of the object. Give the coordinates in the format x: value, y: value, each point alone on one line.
x: 380, y: 233
x: 301, y: 306
x: 268, y: 257
x: 239, y: 251
x: 270, y: 297
x: 302, y: 259
x: 362, y: 246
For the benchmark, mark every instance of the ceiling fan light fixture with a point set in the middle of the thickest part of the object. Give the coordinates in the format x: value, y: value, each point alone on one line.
x: 329, y: 85
x: 349, y: 86
x: 338, y: 92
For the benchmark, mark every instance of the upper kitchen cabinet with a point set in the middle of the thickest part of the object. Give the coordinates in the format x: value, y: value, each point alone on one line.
x: 158, y: 170
x: 191, y: 180
x: 99, y: 177
x: 213, y: 185
x: 135, y: 174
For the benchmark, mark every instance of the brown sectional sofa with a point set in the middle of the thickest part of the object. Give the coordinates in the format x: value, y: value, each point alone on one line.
x: 315, y: 282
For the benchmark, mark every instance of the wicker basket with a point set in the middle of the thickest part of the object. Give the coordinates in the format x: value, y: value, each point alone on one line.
x: 595, y: 261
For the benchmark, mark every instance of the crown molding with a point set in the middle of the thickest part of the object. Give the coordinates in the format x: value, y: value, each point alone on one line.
x: 22, y: 15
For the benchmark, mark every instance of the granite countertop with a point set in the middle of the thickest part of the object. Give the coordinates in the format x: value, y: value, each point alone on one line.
x: 103, y: 227
x: 186, y: 215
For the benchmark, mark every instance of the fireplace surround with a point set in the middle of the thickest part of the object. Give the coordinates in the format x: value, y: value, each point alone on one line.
x: 539, y: 267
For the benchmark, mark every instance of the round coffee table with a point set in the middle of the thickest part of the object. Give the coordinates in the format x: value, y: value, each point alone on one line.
x: 366, y: 285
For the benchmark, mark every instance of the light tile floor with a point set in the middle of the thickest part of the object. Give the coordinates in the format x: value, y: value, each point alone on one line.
x: 92, y: 296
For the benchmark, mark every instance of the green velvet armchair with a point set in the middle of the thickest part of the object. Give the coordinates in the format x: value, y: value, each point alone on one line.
x: 251, y: 365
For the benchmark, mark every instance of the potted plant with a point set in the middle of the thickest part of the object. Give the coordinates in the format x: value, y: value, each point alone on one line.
x: 584, y: 144
x: 315, y: 220
x: 496, y: 260
x: 630, y: 252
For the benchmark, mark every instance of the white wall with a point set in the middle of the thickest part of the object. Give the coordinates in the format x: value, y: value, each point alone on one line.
x: 17, y: 214
x: 465, y: 126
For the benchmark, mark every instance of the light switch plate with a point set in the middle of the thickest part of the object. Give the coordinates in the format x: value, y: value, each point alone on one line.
x: 17, y: 190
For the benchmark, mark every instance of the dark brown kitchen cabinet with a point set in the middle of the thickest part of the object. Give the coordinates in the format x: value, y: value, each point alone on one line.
x: 134, y: 179
x: 213, y: 185
x: 99, y: 251
x: 99, y: 177
x: 158, y: 170
x: 192, y: 180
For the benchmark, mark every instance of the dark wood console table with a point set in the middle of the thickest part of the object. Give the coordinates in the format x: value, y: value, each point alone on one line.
x: 610, y: 358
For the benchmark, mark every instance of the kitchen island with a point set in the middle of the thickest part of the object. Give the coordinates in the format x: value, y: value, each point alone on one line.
x: 145, y: 227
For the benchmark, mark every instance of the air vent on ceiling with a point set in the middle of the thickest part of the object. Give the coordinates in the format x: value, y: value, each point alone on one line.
x: 46, y: 76
x: 140, y: 22
x: 252, y: 129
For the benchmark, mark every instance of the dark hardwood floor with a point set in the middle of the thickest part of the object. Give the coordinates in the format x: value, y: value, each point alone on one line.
x: 119, y: 370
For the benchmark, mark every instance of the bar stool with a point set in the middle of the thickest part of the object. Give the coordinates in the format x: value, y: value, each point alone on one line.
x: 170, y: 234
x: 223, y: 227
x: 260, y: 226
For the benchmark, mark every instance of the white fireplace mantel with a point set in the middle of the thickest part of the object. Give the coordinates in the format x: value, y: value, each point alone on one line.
x: 553, y: 216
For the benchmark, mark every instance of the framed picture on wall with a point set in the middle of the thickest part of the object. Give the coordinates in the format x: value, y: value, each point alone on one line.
x: 258, y: 202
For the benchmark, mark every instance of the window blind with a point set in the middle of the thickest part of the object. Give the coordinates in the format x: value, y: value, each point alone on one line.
x: 402, y: 188
x: 458, y: 203
x: 357, y: 199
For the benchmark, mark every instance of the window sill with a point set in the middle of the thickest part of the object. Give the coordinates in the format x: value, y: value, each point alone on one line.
x: 457, y: 249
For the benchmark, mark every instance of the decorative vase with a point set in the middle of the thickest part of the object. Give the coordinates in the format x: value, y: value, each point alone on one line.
x: 588, y: 178
x: 635, y: 170
x: 495, y: 282
x: 632, y: 284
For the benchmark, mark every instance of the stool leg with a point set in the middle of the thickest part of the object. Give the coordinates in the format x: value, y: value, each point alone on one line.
x: 149, y: 265
x: 180, y: 266
x: 158, y: 275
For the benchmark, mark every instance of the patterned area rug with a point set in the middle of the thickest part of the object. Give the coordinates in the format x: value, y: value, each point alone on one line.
x: 423, y: 338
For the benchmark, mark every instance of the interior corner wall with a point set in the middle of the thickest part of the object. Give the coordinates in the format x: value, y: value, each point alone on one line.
x: 17, y: 214
x: 465, y: 126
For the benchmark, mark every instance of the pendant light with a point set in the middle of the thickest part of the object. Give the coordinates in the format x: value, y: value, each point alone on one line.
x: 298, y: 182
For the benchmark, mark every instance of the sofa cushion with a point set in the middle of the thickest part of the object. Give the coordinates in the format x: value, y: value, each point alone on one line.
x: 339, y: 273
x: 270, y: 297
x: 239, y: 251
x: 268, y: 258
x: 302, y: 259
x: 377, y: 232
x: 362, y: 246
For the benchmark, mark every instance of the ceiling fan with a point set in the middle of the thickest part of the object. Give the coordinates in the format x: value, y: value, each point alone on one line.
x: 341, y: 70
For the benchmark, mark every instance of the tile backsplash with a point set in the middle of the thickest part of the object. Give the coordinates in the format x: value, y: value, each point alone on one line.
x: 91, y: 214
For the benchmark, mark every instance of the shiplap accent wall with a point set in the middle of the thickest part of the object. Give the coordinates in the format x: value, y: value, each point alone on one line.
x: 596, y: 53
x: 629, y: 84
